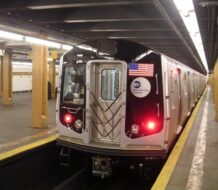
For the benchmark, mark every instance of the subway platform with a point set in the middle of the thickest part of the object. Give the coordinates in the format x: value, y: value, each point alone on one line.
x: 192, y: 163
x: 16, y: 133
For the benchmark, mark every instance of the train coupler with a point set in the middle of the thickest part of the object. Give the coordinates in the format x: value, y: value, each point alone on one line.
x: 65, y: 156
x: 101, y: 166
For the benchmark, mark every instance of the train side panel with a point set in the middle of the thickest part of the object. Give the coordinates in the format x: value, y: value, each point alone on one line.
x: 183, y: 87
x: 171, y: 96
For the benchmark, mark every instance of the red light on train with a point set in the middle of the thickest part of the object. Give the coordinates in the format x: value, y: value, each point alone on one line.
x: 151, y: 125
x: 68, y: 118
x: 175, y: 72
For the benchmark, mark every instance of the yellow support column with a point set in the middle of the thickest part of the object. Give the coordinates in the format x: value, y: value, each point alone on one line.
x: 7, y: 78
x: 215, y: 87
x: 39, y: 87
x: 210, y: 80
x: 52, y: 75
x: 1, y: 76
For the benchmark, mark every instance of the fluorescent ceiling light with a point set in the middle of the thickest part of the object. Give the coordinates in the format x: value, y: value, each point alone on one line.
x: 66, y: 47
x: 85, y: 47
x: 42, y: 42
x: 32, y: 40
x: 49, y: 59
x: 107, y: 57
x: 1, y: 52
x: 143, y: 55
x: 11, y: 36
x: 79, y: 55
x: 102, y: 53
x: 187, y: 12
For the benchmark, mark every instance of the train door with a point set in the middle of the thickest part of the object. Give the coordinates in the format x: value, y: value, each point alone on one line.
x: 184, y: 97
x: 175, y: 99
x: 106, y: 97
x: 195, y: 87
x: 189, y: 92
x: 192, y: 94
x: 179, y: 99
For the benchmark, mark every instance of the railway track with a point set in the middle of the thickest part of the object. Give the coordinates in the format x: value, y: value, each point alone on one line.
x: 122, y: 179
x: 34, y: 169
x: 40, y: 169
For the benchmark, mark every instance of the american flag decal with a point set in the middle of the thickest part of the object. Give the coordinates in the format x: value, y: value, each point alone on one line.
x: 139, y: 69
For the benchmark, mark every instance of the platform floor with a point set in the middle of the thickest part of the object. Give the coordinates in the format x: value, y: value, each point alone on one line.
x: 196, y: 167
x: 15, y: 123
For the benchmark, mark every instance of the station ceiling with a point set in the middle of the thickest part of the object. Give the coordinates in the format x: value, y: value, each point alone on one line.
x: 154, y: 23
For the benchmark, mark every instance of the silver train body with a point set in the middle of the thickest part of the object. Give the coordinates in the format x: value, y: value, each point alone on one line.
x: 119, y: 98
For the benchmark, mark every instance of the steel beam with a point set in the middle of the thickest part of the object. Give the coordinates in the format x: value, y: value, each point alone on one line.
x: 14, y: 25
x: 82, y: 3
x: 39, y: 87
x: 94, y: 14
x: 128, y: 26
x: 129, y: 35
x: 7, y: 78
x: 165, y: 14
x: 113, y: 26
x: 204, y: 3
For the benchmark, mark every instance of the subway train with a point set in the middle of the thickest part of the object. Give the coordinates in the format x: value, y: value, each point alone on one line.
x: 120, y: 99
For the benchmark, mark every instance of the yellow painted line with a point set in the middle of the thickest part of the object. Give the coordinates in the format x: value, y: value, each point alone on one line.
x: 27, y: 138
x: 167, y: 170
x: 24, y: 148
x: 22, y: 73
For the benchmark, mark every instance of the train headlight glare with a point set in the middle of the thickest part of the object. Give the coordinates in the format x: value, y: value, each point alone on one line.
x: 151, y: 125
x: 135, y: 129
x: 78, y: 124
x: 68, y: 118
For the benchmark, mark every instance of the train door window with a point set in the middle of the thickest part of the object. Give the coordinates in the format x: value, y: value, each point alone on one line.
x: 184, y: 82
x: 74, y: 85
x: 109, y: 84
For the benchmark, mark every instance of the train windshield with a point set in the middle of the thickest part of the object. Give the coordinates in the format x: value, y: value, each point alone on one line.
x: 74, y: 85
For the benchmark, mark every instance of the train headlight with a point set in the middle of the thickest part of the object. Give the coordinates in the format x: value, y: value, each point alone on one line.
x: 78, y: 124
x: 151, y: 125
x: 68, y: 118
x: 135, y: 129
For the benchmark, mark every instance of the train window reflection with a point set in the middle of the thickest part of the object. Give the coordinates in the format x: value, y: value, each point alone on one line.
x: 109, y: 84
x: 74, y: 85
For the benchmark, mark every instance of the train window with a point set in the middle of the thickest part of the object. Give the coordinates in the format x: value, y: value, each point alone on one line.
x: 173, y: 86
x: 184, y: 77
x: 109, y: 84
x: 74, y: 85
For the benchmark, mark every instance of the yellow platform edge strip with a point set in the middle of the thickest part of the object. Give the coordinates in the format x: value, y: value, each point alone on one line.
x: 24, y: 148
x: 166, y: 172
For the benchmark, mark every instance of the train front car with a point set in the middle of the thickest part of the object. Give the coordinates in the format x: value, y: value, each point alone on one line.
x: 111, y: 102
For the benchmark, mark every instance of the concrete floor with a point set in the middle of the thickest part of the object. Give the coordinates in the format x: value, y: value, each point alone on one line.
x: 15, y: 122
x: 180, y: 176
x: 15, y: 130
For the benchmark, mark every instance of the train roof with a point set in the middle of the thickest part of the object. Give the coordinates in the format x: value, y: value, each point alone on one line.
x: 109, y: 49
x: 112, y: 49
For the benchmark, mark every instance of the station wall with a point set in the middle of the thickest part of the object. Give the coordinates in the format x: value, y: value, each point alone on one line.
x: 22, y: 77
